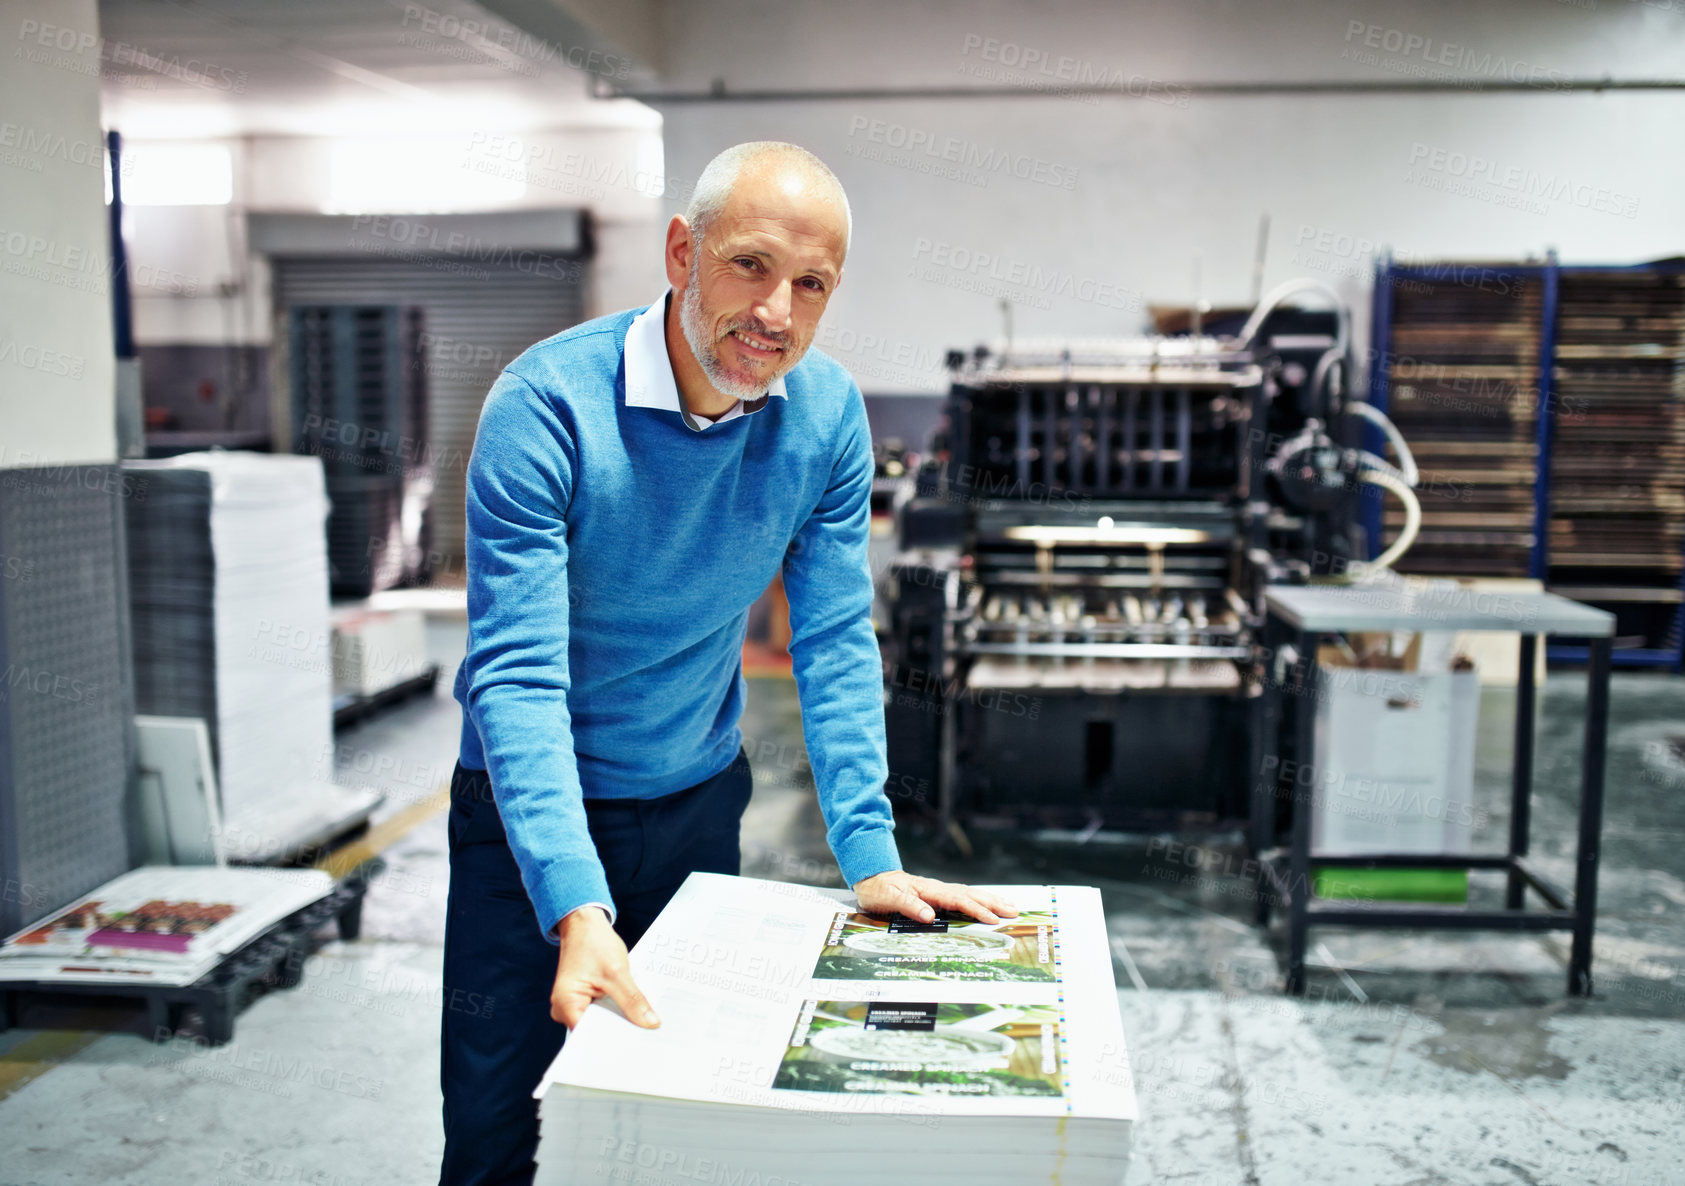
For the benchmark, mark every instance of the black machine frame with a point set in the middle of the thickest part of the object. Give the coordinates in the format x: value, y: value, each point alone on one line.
x: 1083, y: 472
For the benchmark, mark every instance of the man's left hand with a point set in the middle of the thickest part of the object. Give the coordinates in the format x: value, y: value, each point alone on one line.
x: 899, y: 892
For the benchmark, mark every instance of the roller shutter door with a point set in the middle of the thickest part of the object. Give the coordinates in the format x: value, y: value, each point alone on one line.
x: 478, y: 319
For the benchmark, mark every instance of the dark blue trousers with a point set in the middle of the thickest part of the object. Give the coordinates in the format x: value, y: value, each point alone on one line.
x: 497, y: 1038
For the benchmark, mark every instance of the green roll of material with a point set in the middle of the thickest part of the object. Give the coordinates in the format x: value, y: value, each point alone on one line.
x: 1391, y: 885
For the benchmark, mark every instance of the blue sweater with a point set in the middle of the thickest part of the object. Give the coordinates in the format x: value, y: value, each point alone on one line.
x: 613, y: 554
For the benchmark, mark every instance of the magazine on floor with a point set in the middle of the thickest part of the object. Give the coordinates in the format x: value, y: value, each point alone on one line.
x: 165, y: 924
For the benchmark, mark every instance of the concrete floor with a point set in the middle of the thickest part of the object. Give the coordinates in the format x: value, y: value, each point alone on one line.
x: 1417, y: 1059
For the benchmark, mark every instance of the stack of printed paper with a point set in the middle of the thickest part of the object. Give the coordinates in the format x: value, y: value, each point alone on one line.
x: 805, y: 1043
x: 228, y: 583
x: 159, y: 924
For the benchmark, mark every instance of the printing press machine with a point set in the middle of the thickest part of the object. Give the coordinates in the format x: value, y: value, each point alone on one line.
x: 1076, y: 605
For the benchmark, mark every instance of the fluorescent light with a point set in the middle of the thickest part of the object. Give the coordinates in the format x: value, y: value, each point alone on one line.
x: 176, y: 175
x: 416, y: 177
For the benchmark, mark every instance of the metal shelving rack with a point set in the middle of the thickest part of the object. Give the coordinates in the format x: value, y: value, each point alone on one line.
x: 358, y: 400
x: 1602, y: 430
x: 1617, y: 478
x: 1460, y: 352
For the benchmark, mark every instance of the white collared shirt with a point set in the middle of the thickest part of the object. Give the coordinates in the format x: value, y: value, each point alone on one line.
x: 649, y: 372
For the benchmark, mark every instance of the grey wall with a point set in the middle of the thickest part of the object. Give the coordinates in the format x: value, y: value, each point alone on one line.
x: 207, y: 388
x: 1123, y: 193
x: 907, y: 418
x: 56, y: 368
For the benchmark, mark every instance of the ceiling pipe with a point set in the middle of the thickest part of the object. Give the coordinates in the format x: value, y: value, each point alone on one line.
x: 1152, y: 90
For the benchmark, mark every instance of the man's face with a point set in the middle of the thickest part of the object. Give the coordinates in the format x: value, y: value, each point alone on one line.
x: 754, y: 289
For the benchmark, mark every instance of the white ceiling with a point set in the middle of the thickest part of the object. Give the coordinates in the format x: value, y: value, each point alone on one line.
x: 205, y: 68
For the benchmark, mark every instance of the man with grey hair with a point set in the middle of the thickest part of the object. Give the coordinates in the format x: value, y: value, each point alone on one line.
x: 636, y: 483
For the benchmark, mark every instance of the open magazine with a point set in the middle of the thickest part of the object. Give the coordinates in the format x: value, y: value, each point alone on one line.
x: 785, y: 1010
x: 164, y: 924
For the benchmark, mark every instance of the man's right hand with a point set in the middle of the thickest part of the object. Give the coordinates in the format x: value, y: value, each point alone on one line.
x: 593, y: 964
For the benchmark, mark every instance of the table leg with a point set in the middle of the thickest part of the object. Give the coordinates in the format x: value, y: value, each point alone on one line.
x: 947, y: 770
x: 1265, y: 774
x: 1299, y: 870
x: 1591, y: 815
x: 1260, y: 751
x: 1521, y: 776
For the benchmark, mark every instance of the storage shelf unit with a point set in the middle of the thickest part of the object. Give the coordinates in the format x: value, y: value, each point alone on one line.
x: 1617, y: 498
x: 1570, y: 468
x: 359, y: 402
x: 1462, y: 374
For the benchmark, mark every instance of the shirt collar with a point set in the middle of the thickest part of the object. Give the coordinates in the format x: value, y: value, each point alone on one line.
x: 649, y: 372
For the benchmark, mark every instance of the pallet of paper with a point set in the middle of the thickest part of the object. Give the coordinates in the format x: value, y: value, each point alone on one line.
x: 228, y: 586
x: 804, y: 1043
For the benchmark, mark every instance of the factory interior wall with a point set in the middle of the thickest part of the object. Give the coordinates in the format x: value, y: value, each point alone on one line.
x: 203, y: 285
x: 1124, y: 197
x: 204, y: 317
x: 1145, y: 198
x: 56, y: 367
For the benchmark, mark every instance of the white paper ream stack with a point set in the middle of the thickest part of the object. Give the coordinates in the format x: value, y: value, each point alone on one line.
x: 375, y: 650
x: 803, y: 1044
x: 229, y: 583
x: 158, y: 924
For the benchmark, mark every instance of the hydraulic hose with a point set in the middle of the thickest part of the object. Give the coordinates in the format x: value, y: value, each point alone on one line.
x: 1412, y: 524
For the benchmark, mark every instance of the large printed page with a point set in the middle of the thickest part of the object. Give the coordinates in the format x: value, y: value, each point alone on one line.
x: 785, y: 996
x: 954, y: 949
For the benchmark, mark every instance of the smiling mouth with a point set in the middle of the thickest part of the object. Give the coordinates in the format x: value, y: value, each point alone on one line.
x: 754, y: 345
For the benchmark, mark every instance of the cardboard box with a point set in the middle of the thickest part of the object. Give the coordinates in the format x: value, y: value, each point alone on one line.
x: 1394, y: 760
x: 374, y: 650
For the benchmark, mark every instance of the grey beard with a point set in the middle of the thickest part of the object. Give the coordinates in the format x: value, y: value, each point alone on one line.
x: 690, y: 321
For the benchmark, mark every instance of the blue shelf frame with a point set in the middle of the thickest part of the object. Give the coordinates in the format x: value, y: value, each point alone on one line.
x: 1549, y: 274
x: 1538, y: 564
